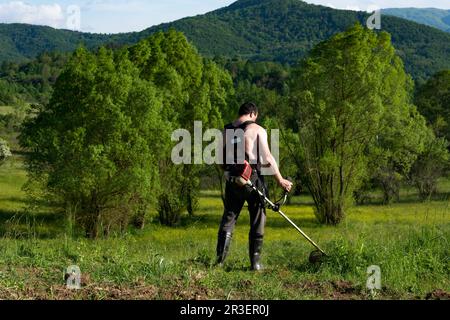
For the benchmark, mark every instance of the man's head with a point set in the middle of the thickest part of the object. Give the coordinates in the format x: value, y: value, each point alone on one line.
x: 249, y: 109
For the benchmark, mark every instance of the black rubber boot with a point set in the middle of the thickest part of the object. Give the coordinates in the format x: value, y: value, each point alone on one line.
x: 255, y: 246
x: 223, y: 245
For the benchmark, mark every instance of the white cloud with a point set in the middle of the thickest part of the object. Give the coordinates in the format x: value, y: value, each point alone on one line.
x: 45, y: 14
x: 353, y: 8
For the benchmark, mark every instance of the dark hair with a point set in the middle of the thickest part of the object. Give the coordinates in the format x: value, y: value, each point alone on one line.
x: 248, y: 108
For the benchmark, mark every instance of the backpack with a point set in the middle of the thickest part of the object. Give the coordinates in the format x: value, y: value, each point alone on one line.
x: 238, y: 173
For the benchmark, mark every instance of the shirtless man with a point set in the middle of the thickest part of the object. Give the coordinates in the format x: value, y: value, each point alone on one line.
x: 257, y: 153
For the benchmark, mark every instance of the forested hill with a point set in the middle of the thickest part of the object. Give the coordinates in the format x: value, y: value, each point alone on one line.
x: 433, y: 17
x: 19, y: 42
x: 284, y: 30
x: 280, y: 30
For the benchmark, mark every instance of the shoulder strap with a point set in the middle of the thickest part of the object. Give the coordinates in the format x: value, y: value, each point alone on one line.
x: 229, y: 126
x: 244, y: 125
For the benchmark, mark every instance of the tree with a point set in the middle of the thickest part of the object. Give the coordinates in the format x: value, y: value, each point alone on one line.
x: 95, y: 146
x: 433, y: 101
x: 431, y: 165
x: 402, y: 139
x: 341, y: 93
x: 192, y: 89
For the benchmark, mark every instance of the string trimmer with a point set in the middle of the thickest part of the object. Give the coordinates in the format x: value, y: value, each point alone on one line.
x: 241, y: 176
x: 315, y: 256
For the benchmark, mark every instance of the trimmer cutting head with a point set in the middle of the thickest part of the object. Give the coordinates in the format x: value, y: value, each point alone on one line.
x: 316, y: 257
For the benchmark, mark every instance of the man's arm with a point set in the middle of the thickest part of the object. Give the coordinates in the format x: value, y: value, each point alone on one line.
x: 269, y: 161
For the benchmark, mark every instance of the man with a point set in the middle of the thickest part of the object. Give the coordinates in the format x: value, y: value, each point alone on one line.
x: 257, y: 153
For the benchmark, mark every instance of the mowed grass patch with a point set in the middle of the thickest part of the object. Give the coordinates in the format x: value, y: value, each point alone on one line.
x: 408, y: 240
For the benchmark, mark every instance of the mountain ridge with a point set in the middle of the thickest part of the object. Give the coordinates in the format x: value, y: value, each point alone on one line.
x: 434, y: 17
x: 273, y: 30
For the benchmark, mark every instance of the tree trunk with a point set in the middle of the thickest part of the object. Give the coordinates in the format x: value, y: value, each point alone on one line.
x: 330, y: 210
x: 190, y: 203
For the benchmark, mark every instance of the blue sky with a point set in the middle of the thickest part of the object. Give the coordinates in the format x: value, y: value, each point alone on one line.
x: 113, y: 16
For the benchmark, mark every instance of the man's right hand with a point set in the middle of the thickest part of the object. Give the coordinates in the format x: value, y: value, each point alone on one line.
x: 285, y: 185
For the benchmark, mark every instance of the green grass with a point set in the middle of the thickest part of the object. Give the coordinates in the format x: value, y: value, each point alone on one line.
x: 408, y: 240
x: 12, y: 199
x: 15, y: 218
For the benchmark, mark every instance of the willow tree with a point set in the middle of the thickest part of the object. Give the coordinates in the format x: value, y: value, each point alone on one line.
x: 94, y: 147
x: 341, y: 93
x: 192, y: 89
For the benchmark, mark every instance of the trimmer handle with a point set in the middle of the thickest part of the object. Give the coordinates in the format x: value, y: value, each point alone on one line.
x: 292, y: 181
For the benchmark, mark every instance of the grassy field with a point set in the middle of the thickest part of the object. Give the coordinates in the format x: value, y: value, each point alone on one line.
x: 408, y: 240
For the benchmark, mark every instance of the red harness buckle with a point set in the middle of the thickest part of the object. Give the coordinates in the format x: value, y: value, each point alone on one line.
x: 247, y: 173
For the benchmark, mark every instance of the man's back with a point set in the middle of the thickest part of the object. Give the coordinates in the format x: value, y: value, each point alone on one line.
x: 253, y: 133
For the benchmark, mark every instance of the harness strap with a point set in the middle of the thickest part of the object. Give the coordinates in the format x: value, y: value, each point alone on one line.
x: 243, y: 126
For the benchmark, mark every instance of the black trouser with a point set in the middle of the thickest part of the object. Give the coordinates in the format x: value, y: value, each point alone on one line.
x: 235, y: 198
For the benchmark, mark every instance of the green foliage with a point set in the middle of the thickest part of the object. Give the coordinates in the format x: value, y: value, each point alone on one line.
x: 342, y: 95
x: 433, y: 101
x: 288, y: 147
x: 263, y: 83
x: 11, y: 119
x: 102, y: 145
x: 95, y: 145
x: 193, y: 89
x: 264, y: 74
x: 169, y: 209
x: 9, y: 93
x: 277, y: 30
x: 400, y: 141
x: 20, y: 42
x: 287, y: 30
x: 30, y: 82
x: 431, y: 165
x: 433, y: 17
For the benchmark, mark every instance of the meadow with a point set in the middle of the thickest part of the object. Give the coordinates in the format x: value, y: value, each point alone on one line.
x: 407, y: 240
x: 354, y: 106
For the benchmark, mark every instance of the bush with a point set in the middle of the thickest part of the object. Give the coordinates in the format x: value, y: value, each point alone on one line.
x: 169, y: 209
x: 430, y: 166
